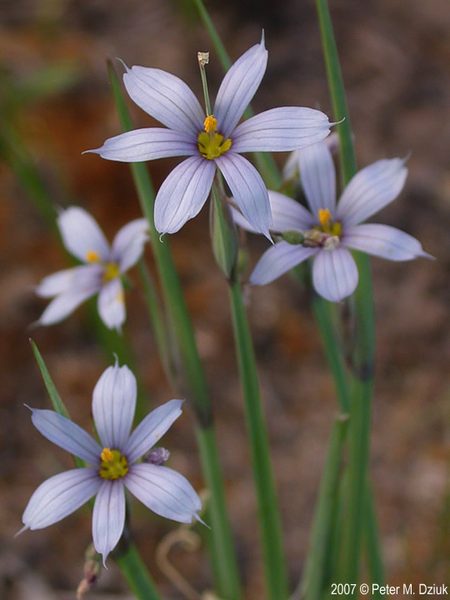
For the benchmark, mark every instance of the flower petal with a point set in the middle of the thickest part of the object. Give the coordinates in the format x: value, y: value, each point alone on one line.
x: 318, y: 177
x: 287, y: 215
x: 66, y: 303
x: 280, y: 129
x: 164, y: 491
x: 81, y: 234
x: 166, y: 98
x: 113, y: 406
x: 384, y: 241
x: 238, y: 87
x: 248, y: 190
x: 111, y: 304
x: 60, y: 496
x: 66, y: 434
x: 335, y: 275
x: 146, y: 144
x: 183, y: 193
x: 277, y: 260
x: 108, y: 517
x: 128, y: 245
x: 371, y: 189
x: 151, y: 429
x: 63, y: 281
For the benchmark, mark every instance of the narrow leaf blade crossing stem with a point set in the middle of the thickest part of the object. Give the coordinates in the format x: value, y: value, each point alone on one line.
x: 275, y: 570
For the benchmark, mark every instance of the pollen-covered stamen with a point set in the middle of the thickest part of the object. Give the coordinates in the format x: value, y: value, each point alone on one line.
x: 325, y: 218
x: 92, y: 256
x: 327, y: 225
x: 112, y: 271
x: 210, y: 124
x: 210, y: 143
x: 113, y: 465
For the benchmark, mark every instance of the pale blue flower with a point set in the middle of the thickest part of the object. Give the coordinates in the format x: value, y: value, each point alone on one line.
x: 329, y: 230
x: 101, y: 271
x: 112, y: 465
x: 211, y: 141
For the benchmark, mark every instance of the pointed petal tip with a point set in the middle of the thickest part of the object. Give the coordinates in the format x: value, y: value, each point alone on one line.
x: 93, y: 151
x: 263, y: 39
x: 200, y: 520
x: 427, y: 255
x: 22, y: 530
x: 124, y: 64
x: 332, y: 124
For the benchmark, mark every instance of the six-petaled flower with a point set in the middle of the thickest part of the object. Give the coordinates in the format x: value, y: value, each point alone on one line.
x: 211, y: 142
x: 101, y: 271
x: 112, y: 465
x: 328, y: 230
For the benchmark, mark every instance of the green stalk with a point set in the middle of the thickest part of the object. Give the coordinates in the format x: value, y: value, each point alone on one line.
x: 324, y: 314
x: 315, y: 580
x: 269, y: 518
x: 362, y: 359
x: 136, y: 574
x: 157, y: 320
x: 374, y: 558
x: 225, y: 251
x: 222, y: 548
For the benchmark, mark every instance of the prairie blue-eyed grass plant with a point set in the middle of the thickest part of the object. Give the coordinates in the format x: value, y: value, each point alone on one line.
x: 120, y: 460
x: 101, y: 272
x: 212, y: 139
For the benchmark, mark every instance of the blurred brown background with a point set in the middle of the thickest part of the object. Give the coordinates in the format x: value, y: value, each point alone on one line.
x: 395, y: 57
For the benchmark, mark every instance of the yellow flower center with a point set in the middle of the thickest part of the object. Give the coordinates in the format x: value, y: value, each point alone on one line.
x: 210, y: 143
x: 92, y: 256
x: 113, y: 465
x: 327, y: 225
x: 327, y: 234
x: 112, y: 271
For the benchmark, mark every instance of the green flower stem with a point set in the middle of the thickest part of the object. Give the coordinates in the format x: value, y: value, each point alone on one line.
x: 324, y: 314
x: 269, y: 518
x: 158, y: 321
x: 136, y: 573
x: 222, y: 548
x: 362, y: 366
x: 315, y: 577
x: 264, y: 161
x: 225, y: 250
x: 374, y: 558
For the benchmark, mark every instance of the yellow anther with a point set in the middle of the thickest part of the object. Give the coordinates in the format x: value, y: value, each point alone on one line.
x: 92, y: 256
x: 325, y: 217
x: 210, y: 124
x: 113, y: 464
x: 112, y: 271
x: 106, y: 455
